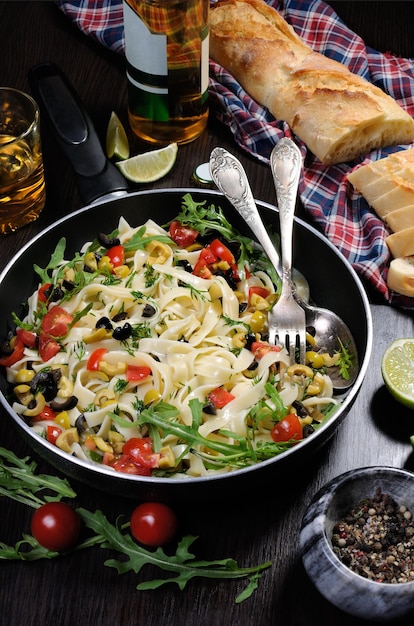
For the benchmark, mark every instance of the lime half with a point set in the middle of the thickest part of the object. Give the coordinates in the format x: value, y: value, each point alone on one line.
x: 397, y: 368
x: 149, y: 166
x: 116, y: 139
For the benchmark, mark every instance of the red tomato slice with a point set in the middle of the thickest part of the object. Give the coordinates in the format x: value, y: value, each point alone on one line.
x: 56, y: 321
x: 221, y: 251
x: 137, y: 372
x: 206, y: 258
x: 42, y: 294
x: 29, y: 339
x: 45, y: 414
x: 128, y: 465
x: 140, y: 449
x: 95, y: 358
x: 116, y: 255
x: 16, y: 355
x: 259, y: 291
x: 220, y: 397
x: 182, y: 235
x: 288, y: 428
x: 52, y: 433
x: 261, y: 348
x: 48, y: 347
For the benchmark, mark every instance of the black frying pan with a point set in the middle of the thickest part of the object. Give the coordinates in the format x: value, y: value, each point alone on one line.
x: 333, y: 284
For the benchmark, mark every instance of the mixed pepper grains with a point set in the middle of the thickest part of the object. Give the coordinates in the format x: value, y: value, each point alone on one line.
x: 376, y: 540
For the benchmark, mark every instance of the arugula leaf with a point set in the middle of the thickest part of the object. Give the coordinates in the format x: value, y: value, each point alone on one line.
x: 346, y: 360
x: 181, y: 564
x: 19, y: 481
x: 55, y: 259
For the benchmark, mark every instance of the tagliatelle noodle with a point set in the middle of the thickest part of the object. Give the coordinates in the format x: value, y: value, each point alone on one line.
x: 187, y: 345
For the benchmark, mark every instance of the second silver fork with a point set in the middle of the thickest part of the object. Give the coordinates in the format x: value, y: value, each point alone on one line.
x: 287, y: 319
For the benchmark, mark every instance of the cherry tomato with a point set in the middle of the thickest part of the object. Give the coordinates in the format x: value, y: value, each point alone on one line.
x: 16, y: 355
x: 29, y: 339
x: 182, y: 235
x: 153, y: 524
x: 137, y: 372
x: 56, y: 526
x: 48, y: 347
x: 261, y: 348
x: 206, y: 258
x: 259, y: 291
x: 43, y: 293
x: 95, y: 358
x: 288, y: 428
x: 221, y: 251
x: 52, y: 433
x: 56, y: 321
x: 45, y: 414
x: 128, y: 465
x: 220, y: 397
x: 140, y: 449
x: 116, y: 255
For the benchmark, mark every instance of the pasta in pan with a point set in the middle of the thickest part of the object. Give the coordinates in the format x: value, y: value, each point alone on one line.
x: 147, y: 352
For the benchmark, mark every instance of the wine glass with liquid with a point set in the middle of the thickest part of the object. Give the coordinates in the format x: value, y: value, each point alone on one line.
x: 22, y: 183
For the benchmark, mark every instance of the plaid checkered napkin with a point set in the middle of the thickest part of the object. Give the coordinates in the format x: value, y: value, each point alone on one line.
x: 343, y: 216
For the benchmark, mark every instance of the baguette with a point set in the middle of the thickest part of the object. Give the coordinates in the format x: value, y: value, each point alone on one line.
x: 339, y: 115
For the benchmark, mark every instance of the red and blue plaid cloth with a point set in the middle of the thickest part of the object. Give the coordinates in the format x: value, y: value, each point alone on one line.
x: 344, y: 217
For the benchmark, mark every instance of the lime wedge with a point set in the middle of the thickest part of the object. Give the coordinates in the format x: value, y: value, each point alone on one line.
x: 397, y: 368
x: 149, y: 166
x: 116, y: 140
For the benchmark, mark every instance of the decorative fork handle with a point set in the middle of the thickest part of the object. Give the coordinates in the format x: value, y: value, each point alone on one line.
x: 230, y: 177
x: 286, y: 164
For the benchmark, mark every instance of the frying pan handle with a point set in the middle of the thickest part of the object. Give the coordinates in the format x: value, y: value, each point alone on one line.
x: 74, y: 131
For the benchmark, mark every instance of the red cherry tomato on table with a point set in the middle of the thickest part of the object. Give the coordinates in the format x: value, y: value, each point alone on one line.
x: 288, y: 428
x: 153, y: 524
x: 56, y: 526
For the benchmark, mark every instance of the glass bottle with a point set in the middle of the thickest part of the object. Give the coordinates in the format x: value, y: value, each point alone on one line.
x: 167, y: 53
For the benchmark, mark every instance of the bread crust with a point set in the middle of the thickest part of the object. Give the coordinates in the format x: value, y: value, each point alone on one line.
x: 338, y: 114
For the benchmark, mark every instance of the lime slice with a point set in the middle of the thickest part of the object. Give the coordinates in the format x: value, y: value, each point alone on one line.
x: 149, y: 166
x: 116, y: 140
x: 397, y: 368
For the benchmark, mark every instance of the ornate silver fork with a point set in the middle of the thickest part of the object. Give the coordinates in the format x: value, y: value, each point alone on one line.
x: 230, y: 177
x: 287, y: 319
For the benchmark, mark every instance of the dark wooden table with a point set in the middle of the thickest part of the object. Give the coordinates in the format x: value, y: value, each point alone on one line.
x: 264, y: 525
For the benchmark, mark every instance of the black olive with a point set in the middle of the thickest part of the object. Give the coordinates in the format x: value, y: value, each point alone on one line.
x: 121, y: 333
x: 253, y: 366
x: 104, y: 322
x: 148, y: 310
x: 81, y: 424
x: 307, y: 430
x: 301, y: 410
x: 242, y: 307
x: 250, y: 338
x: 210, y: 409
x: 108, y: 242
x: 122, y: 315
x: 47, y: 383
x: 186, y: 265
x: 6, y: 348
x: 68, y: 284
x: 66, y: 405
x: 311, y: 330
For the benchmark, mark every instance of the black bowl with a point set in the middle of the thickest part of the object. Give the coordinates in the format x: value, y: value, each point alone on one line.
x: 333, y: 284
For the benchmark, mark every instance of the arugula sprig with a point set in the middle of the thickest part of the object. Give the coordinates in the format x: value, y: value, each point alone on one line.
x: 181, y: 564
x: 346, y: 360
x: 19, y: 481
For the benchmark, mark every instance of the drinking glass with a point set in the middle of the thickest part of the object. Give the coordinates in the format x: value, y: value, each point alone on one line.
x: 22, y: 183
